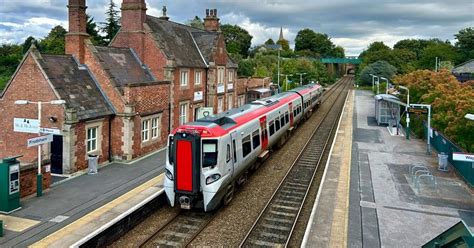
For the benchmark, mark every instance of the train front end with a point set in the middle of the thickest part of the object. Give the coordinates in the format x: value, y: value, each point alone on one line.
x: 183, y: 169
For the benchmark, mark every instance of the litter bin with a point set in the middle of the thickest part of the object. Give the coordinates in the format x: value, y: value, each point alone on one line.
x: 443, y: 162
x: 92, y: 162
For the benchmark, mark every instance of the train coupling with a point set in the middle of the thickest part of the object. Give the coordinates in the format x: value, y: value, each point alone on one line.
x: 185, y: 202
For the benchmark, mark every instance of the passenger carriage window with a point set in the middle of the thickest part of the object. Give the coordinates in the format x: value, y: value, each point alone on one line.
x: 277, y: 124
x: 209, y: 153
x: 272, y: 127
x: 282, y: 120
x: 227, y: 156
x: 294, y: 112
x: 287, y: 118
x: 246, y: 146
x: 255, y: 139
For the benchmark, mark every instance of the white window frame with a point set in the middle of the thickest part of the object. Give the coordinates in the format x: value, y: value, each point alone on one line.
x: 183, y: 113
x: 231, y: 75
x: 184, y: 78
x: 230, y: 101
x: 145, y: 130
x: 155, y: 127
x: 92, y: 140
x: 197, y: 77
x: 220, y: 75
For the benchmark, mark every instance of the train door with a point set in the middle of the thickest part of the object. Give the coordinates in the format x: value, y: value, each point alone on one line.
x: 233, y: 152
x: 264, y: 132
x: 187, y: 169
x: 291, y: 114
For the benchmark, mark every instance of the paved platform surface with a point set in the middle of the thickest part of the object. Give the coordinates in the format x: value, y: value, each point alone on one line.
x: 385, y: 208
x: 83, y: 198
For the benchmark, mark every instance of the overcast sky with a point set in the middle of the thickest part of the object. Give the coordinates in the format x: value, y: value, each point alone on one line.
x: 352, y: 24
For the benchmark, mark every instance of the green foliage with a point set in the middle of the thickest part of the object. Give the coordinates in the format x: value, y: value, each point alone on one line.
x: 284, y: 44
x: 10, y: 57
x: 93, y: 31
x: 237, y: 39
x: 196, y: 23
x: 54, y: 43
x: 246, y: 68
x: 270, y: 42
x: 465, y: 43
x: 318, y: 43
x: 380, y: 68
x: 449, y: 99
x: 28, y: 42
x: 338, y: 52
x: 444, y: 52
x: 112, y: 24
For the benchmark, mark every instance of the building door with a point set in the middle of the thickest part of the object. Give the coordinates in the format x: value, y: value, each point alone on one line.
x: 57, y: 154
x: 220, y: 104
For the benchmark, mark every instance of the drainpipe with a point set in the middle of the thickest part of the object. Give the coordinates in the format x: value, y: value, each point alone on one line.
x: 110, y: 137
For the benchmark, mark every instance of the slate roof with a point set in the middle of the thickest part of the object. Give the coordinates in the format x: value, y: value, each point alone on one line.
x: 466, y: 67
x: 206, y: 41
x: 177, y: 42
x: 75, y: 85
x: 124, y: 66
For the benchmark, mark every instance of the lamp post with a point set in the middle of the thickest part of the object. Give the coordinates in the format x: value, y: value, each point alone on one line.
x: 406, y: 109
x: 39, y: 176
x: 386, y: 91
x: 286, y: 80
x: 301, y: 77
x: 373, y: 80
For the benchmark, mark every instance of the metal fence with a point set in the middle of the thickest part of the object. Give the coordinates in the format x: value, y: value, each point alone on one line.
x: 443, y: 144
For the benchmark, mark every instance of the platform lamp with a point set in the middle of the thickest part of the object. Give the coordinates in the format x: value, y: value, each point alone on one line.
x: 373, y: 80
x: 301, y: 77
x: 39, y: 176
x: 406, y: 109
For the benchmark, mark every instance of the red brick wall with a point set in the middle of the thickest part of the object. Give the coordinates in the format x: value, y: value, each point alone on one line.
x: 28, y: 180
x: 149, y: 100
x: 28, y: 84
x: 80, y: 144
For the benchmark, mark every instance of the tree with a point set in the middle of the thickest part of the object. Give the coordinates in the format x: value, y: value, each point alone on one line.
x: 269, y: 42
x: 246, y: 68
x: 237, y: 39
x: 465, y: 43
x: 284, y: 44
x: 54, y: 43
x: 416, y: 45
x: 112, y: 25
x: 380, y: 68
x: 318, y: 43
x: 10, y: 56
x: 196, y: 23
x: 444, y: 52
x: 338, y: 52
x: 27, y: 44
x: 93, y: 31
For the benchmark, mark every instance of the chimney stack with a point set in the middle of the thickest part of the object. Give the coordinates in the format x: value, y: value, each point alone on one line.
x: 211, y: 22
x: 133, y: 15
x: 77, y: 33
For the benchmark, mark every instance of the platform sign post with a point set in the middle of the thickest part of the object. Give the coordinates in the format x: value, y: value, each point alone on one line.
x: 424, y: 109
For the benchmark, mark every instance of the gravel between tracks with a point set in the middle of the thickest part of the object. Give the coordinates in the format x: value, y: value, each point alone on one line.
x: 231, y: 224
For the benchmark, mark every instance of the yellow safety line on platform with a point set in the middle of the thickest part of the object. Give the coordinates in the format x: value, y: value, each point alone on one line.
x: 339, y: 227
x: 17, y: 224
x: 69, y: 229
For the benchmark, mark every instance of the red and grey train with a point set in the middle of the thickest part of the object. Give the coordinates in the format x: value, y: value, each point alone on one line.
x: 208, y: 157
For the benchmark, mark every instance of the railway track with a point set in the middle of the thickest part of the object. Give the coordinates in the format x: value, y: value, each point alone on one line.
x: 185, y: 226
x: 276, y: 222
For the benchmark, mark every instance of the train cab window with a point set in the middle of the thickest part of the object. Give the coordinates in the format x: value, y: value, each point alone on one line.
x: 272, y: 127
x: 277, y: 124
x: 209, y: 153
x: 227, y: 156
x: 171, y: 150
x: 287, y: 118
x: 255, y: 139
x: 282, y: 120
x: 246, y: 146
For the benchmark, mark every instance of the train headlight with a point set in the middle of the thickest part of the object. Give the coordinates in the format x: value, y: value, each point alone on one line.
x: 168, y: 174
x: 212, y: 178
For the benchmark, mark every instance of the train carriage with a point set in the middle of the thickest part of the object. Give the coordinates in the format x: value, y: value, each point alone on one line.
x: 208, y: 157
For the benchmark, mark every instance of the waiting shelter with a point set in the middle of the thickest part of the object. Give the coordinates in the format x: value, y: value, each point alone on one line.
x: 387, y: 109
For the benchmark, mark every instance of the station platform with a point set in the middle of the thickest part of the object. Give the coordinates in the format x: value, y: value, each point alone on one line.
x: 367, y: 196
x: 72, y: 211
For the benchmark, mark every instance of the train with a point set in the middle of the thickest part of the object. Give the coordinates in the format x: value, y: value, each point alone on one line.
x: 206, y: 159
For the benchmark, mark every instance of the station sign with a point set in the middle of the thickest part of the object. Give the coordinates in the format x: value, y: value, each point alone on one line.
x: 412, y: 110
x: 45, y: 130
x: 24, y: 125
x: 40, y: 140
x: 465, y: 157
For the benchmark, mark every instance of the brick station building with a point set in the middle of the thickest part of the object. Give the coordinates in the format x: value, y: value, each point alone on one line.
x: 121, y: 100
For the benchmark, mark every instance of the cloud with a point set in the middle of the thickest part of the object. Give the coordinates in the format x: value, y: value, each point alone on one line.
x: 352, y: 24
